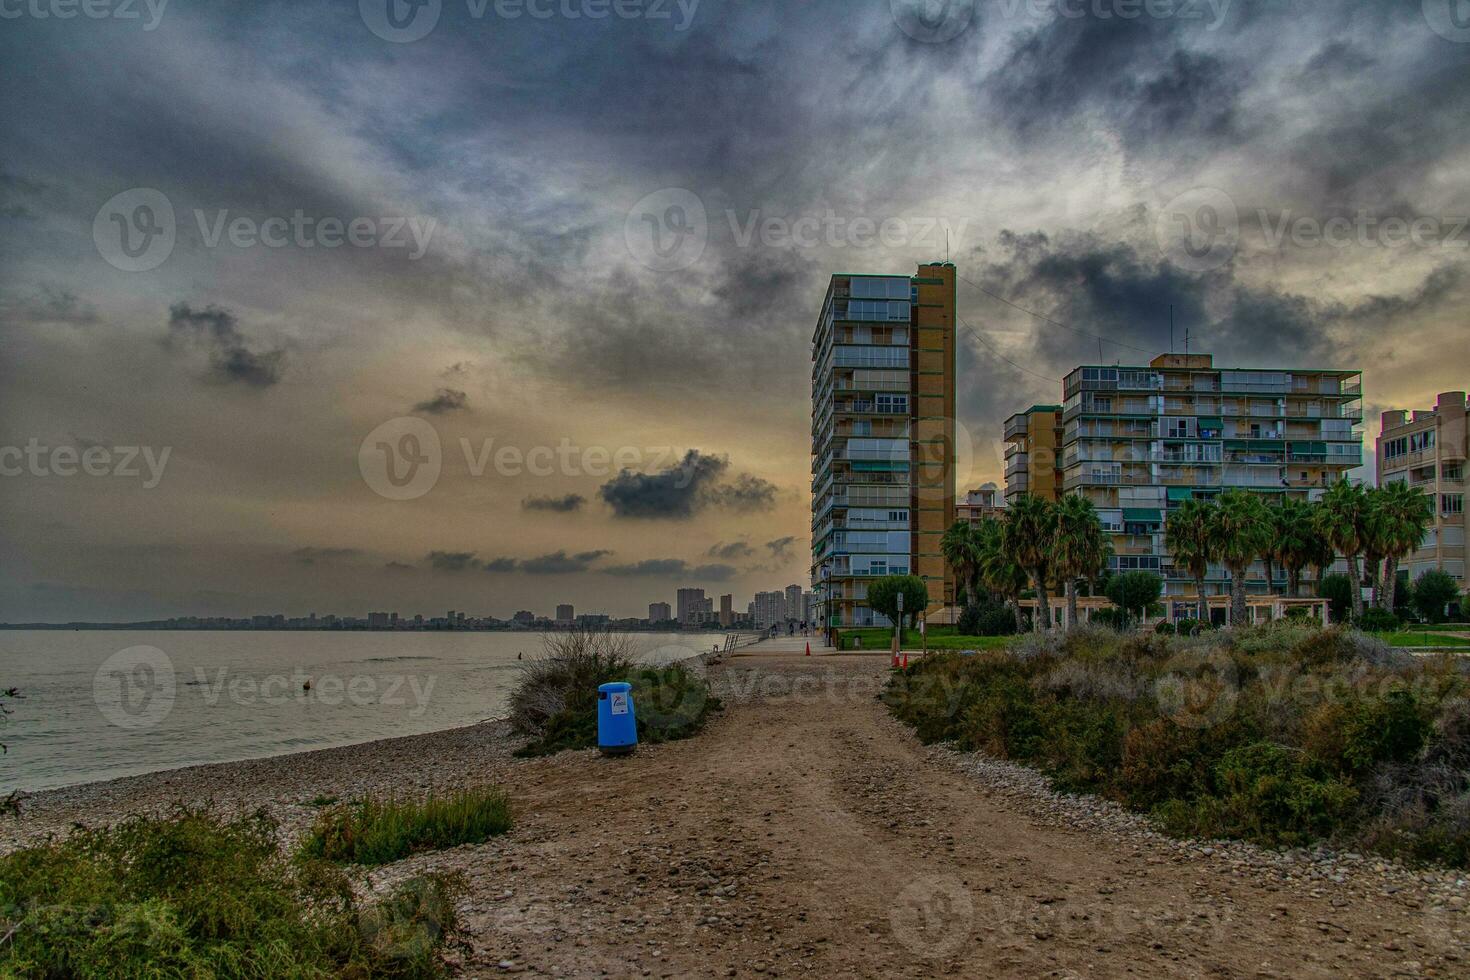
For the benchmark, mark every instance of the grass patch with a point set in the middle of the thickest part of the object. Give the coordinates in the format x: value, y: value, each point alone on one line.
x: 192, y: 895
x: 1417, y: 637
x: 555, y: 702
x: 940, y: 638
x: 1285, y: 735
x: 373, y: 831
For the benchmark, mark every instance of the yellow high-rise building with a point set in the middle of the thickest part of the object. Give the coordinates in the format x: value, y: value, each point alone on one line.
x: 883, y: 434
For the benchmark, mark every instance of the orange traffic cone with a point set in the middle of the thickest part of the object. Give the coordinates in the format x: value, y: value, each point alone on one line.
x: 905, y: 659
x: 808, y: 648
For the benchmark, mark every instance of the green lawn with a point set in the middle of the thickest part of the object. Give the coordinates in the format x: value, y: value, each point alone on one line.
x: 940, y: 638
x: 1420, y: 638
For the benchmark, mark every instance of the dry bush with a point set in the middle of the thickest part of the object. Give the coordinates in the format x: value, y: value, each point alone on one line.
x: 567, y: 675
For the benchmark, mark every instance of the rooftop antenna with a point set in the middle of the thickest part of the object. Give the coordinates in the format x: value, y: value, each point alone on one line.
x: 1186, y: 341
x: 946, y: 246
x: 1171, y: 328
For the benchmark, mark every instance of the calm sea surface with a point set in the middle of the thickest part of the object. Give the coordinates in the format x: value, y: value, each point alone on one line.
x: 98, y: 704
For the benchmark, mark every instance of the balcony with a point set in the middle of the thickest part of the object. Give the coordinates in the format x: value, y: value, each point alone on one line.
x: 1016, y: 427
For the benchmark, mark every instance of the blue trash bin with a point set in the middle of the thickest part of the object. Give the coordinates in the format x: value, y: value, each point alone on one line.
x: 617, y: 725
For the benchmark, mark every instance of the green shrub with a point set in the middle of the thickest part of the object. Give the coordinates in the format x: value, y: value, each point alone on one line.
x: 1390, y: 728
x: 192, y: 895
x: 1375, y: 620
x: 555, y: 701
x: 374, y: 832
x: 1165, y: 628
x: 1309, y: 733
x: 1271, y: 794
x: 987, y: 618
x: 1434, y: 591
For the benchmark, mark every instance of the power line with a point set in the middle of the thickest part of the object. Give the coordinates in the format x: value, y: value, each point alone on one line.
x: 991, y: 347
x: 1055, y: 323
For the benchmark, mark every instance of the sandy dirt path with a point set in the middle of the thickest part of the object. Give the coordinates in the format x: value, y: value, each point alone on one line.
x: 806, y: 833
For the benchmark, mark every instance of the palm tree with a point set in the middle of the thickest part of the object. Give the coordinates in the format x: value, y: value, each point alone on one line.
x: 1030, y: 538
x: 1341, y: 516
x: 998, y: 571
x: 1404, y: 515
x: 1298, y: 542
x: 1376, y: 542
x: 1240, y: 530
x: 1081, y: 548
x: 961, y: 548
x: 1187, y: 536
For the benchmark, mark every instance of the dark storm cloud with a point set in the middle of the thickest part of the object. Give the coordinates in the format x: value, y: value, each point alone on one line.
x: 444, y: 402
x: 735, y: 549
x: 682, y: 490
x: 1136, y: 75
x: 781, y: 547
x: 555, y: 505
x: 398, y: 566
x: 452, y: 561
x: 556, y: 563
x: 230, y: 358
x: 1096, y: 291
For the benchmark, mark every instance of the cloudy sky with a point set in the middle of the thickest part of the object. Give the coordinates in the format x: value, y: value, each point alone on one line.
x: 488, y: 305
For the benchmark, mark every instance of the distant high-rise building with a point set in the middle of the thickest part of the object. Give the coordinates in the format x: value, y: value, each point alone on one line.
x: 659, y: 612
x: 565, y: 613
x: 769, y: 609
x: 524, y: 618
x: 727, y: 610
x: 1428, y: 451
x: 795, y: 608
x: 883, y: 432
x: 691, y: 603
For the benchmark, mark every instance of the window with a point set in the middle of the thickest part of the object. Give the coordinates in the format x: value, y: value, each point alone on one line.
x: 1453, y: 471
x: 1395, y: 448
x: 1420, y: 441
x: 893, y: 404
x: 1451, y: 503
